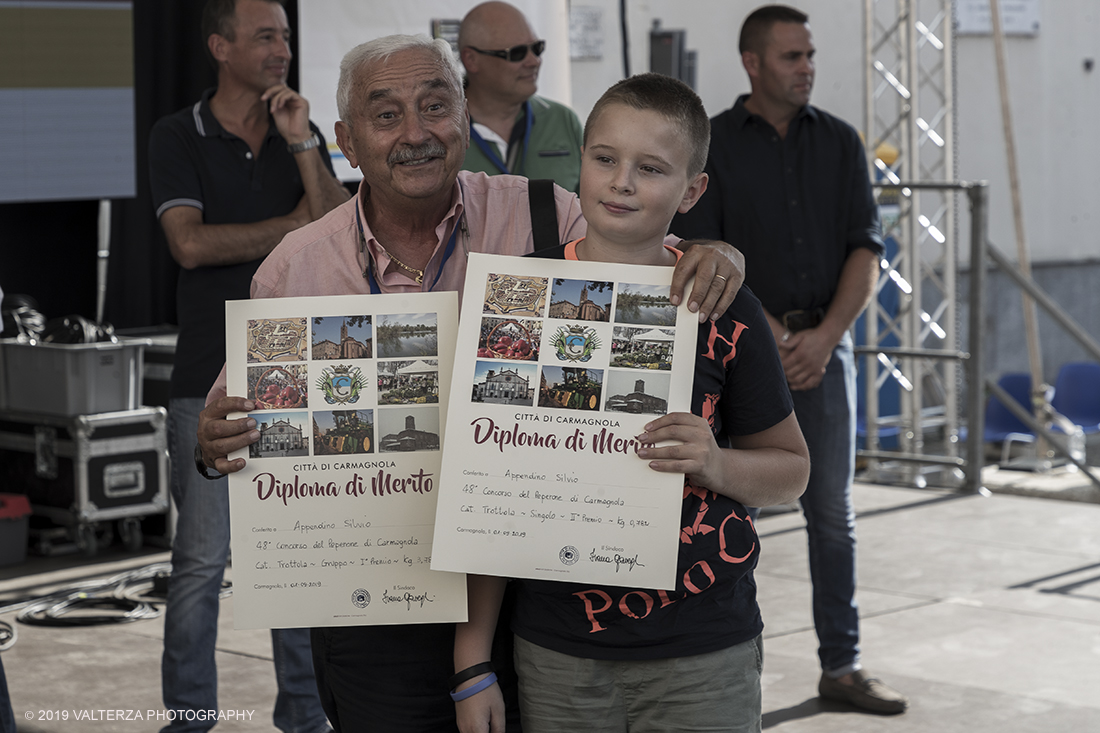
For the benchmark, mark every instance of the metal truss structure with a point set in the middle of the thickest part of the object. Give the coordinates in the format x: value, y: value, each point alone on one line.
x: 910, y: 349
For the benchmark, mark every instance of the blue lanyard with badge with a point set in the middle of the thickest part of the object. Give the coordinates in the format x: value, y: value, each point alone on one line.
x: 368, y: 272
x: 490, y: 150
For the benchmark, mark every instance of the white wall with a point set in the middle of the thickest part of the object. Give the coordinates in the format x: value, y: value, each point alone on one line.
x: 1056, y: 103
x: 712, y: 28
x: 1056, y: 108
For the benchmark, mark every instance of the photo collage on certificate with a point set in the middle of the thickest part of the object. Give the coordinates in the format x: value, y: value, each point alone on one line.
x: 339, y: 491
x: 576, y: 321
x: 559, y: 366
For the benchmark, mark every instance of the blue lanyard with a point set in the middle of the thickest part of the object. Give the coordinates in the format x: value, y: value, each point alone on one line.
x: 369, y: 272
x: 490, y: 151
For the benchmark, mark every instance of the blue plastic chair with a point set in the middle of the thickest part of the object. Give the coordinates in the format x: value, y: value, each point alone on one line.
x: 1001, y: 426
x: 1077, y: 394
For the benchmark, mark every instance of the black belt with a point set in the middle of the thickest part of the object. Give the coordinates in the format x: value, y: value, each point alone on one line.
x: 800, y: 320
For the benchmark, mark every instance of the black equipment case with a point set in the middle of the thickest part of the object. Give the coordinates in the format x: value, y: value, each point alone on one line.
x: 86, y: 470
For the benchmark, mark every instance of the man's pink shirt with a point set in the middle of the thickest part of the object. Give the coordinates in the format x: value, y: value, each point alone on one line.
x: 324, y: 257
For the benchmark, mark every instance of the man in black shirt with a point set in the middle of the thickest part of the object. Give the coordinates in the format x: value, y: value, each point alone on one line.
x: 230, y: 176
x: 789, y: 188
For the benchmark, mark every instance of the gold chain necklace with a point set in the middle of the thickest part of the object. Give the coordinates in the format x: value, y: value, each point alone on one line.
x: 418, y: 275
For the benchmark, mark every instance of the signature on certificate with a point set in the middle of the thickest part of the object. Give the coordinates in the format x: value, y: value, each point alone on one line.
x: 618, y: 560
x: 408, y: 597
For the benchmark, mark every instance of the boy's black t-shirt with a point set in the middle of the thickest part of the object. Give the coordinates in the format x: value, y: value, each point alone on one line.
x: 740, y: 389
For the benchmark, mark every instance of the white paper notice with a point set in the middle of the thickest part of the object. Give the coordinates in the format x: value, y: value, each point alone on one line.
x: 559, y: 365
x: 332, y: 517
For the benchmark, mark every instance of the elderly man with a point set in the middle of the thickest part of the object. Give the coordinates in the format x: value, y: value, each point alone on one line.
x: 512, y: 130
x: 416, y: 216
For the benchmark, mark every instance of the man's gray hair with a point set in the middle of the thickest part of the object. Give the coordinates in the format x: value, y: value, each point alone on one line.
x: 379, y: 50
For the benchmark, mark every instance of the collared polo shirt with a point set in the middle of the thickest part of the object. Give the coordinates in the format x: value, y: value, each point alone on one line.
x: 553, y: 149
x: 325, y: 258
x: 194, y: 161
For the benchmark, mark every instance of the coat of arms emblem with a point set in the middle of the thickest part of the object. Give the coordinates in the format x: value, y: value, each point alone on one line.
x: 575, y: 343
x: 341, y: 384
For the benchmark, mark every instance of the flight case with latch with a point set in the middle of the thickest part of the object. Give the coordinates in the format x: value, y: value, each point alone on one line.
x: 87, y: 471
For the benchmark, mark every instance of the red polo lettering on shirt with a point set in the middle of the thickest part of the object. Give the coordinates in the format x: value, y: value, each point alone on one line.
x: 704, y: 566
x: 665, y: 600
x: 590, y: 610
x: 697, y: 527
x: 625, y: 607
x: 738, y: 327
x: 710, y: 403
x: 722, y: 542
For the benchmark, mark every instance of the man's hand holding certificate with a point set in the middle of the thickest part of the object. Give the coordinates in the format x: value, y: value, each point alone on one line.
x: 332, y: 515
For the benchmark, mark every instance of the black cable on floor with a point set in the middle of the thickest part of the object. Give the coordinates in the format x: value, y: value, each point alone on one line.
x: 119, y: 599
x: 8, y: 635
x: 57, y: 613
x: 114, y: 600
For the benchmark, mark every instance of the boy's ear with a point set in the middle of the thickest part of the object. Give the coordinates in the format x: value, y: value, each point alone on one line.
x: 694, y: 190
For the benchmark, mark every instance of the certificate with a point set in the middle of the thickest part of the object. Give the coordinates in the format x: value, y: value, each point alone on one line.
x: 559, y: 365
x: 331, y: 518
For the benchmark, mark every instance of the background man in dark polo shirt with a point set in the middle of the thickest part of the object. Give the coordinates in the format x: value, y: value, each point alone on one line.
x: 230, y: 176
x: 789, y: 188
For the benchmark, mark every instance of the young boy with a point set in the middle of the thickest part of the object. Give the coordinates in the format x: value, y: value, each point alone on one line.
x: 603, y: 658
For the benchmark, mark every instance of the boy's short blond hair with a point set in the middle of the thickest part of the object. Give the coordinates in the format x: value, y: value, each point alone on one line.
x: 666, y: 96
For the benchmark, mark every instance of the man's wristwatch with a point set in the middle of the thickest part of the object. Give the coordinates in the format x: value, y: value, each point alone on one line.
x: 201, y: 466
x: 305, y: 145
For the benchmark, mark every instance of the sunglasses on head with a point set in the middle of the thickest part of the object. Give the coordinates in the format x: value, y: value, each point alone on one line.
x: 515, y: 53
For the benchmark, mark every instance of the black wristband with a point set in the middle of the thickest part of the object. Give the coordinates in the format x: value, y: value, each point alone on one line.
x: 469, y: 673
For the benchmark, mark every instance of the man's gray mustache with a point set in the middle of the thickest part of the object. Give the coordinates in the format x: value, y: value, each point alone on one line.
x: 429, y: 150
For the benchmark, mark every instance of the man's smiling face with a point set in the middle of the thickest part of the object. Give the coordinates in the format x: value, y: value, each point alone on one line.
x: 409, y: 131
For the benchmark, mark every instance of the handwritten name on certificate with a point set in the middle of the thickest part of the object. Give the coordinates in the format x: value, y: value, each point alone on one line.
x: 331, y: 518
x: 559, y: 365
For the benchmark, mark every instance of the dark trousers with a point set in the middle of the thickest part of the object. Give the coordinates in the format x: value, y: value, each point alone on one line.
x: 393, y: 679
x: 7, y: 717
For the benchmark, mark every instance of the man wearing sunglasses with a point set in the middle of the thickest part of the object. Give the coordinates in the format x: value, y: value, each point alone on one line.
x: 513, y: 130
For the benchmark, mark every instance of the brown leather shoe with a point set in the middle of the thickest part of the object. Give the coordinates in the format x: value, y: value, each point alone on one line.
x: 865, y: 692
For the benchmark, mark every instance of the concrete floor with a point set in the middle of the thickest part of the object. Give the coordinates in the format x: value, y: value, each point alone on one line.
x: 984, y: 611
